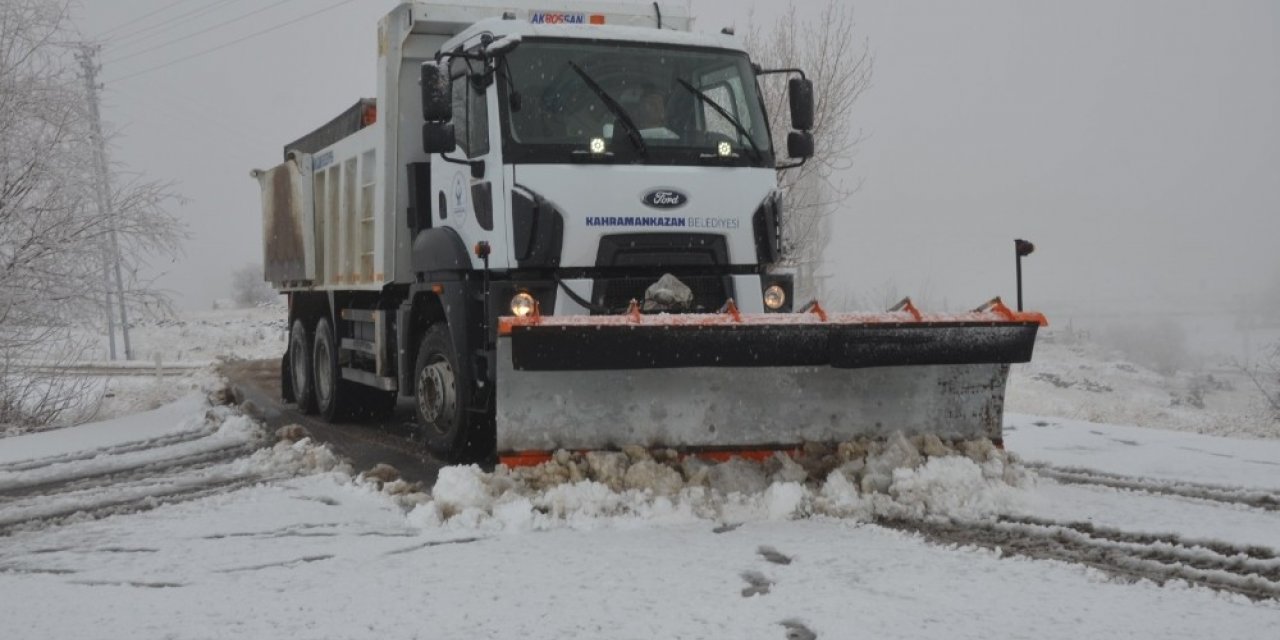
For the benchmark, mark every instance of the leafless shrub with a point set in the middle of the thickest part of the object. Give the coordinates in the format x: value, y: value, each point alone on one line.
x: 248, y: 287
x: 36, y: 394
x: 1265, y: 376
x: 840, y: 67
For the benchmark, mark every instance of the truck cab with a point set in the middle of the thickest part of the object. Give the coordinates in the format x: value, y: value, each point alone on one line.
x: 594, y: 162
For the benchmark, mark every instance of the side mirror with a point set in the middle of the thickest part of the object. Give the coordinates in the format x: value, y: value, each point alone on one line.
x: 437, y: 94
x: 800, y: 95
x: 800, y: 145
x: 438, y: 137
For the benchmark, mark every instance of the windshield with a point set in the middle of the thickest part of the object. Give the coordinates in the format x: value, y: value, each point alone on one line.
x: 572, y: 100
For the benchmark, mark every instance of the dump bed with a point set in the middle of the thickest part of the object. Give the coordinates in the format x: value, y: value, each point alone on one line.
x: 359, y: 116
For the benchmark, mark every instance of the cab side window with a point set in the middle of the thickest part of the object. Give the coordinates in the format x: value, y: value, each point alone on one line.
x: 470, y: 111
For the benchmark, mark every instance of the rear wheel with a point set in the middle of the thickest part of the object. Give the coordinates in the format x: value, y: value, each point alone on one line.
x: 300, y: 370
x: 330, y: 389
x: 441, y: 394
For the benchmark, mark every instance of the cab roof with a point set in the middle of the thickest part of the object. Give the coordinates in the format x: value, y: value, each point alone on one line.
x: 500, y: 27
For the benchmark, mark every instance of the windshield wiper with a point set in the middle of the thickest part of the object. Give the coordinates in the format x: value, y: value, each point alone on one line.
x: 633, y: 132
x: 755, y: 150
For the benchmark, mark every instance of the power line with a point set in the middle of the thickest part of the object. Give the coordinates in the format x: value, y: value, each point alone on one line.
x: 196, y: 112
x: 198, y: 33
x: 143, y: 17
x: 233, y: 42
x: 138, y: 35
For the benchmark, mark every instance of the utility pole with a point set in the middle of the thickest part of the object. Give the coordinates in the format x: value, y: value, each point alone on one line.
x: 102, y: 178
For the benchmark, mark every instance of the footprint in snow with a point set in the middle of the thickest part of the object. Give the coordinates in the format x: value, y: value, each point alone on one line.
x: 773, y: 555
x: 757, y: 584
x: 796, y: 630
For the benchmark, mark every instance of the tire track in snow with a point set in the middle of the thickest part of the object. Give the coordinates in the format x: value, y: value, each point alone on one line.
x: 135, y: 476
x: 127, y: 447
x: 1258, y: 498
x: 1250, y: 571
x: 1118, y: 535
x: 365, y: 444
x: 91, y: 479
x: 130, y: 499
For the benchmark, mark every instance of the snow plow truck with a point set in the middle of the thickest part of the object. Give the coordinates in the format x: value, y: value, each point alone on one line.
x: 558, y: 228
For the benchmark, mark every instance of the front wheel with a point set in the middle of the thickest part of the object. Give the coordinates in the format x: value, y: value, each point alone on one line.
x: 441, y: 394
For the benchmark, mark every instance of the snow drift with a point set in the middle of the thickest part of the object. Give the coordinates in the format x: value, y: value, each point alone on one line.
x: 903, y: 477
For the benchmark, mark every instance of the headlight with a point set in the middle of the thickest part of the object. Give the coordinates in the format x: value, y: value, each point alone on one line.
x: 522, y: 304
x: 774, y: 297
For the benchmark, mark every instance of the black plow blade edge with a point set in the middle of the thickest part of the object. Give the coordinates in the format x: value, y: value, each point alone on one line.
x: 615, y: 347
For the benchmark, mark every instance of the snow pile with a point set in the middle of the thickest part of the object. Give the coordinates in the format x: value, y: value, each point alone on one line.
x: 864, y: 479
x: 290, y: 457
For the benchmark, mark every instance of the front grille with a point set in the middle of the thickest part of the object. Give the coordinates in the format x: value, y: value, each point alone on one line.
x: 616, y: 294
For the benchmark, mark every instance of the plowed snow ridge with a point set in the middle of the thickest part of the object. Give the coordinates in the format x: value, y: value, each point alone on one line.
x: 1249, y: 571
x: 1258, y: 498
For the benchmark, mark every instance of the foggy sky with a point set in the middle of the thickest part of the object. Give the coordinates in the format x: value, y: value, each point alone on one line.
x: 1136, y: 143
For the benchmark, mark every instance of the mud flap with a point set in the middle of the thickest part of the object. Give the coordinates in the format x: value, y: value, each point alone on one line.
x: 286, y: 379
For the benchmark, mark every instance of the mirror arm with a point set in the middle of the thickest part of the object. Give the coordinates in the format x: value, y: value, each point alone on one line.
x: 460, y: 54
x: 793, y: 165
x: 476, y: 166
x: 458, y: 160
x: 764, y: 72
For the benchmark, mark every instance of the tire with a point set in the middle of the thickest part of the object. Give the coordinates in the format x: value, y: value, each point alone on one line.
x: 331, y: 391
x: 441, y: 394
x: 286, y: 379
x: 300, y: 369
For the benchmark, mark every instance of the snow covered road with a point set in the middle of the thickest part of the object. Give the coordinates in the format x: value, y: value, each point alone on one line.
x: 283, y: 541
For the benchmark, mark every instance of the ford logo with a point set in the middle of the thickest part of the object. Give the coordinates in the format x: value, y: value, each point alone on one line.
x: 664, y: 199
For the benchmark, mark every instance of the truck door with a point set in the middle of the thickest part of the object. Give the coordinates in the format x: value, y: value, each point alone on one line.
x: 469, y: 181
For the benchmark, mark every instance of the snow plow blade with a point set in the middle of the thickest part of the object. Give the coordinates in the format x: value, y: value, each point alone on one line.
x: 730, y: 381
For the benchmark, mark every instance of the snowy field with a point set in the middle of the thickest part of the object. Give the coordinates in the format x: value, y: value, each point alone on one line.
x: 183, y: 519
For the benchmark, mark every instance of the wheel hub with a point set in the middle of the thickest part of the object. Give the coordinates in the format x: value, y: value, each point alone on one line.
x: 436, y: 397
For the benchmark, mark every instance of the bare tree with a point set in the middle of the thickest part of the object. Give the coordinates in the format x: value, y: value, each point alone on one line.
x: 1265, y: 376
x: 53, y: 237
x: 840, y: 67
x: 248, y: 288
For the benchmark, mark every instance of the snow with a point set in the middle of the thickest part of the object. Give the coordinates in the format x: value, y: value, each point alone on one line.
x: 1153, y: 453
x: 194, y: 523
x: 180, y: 417
x: 188, y: 345
x: 1195, y: 519
x: 1072, y: 378
x: 274, y: 560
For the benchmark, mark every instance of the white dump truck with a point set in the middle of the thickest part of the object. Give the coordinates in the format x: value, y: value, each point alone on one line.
x: 558, y: 228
